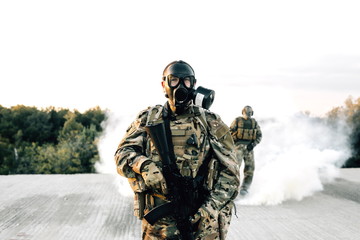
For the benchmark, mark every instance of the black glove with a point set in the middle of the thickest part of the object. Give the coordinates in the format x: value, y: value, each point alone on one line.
x: 250, y: 146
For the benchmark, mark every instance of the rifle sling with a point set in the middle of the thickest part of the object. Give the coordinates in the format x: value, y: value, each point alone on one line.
x: 166, y: 118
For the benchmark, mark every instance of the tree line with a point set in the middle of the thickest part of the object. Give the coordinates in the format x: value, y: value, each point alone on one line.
x: 49, y: 141
x: 60, y: 141
x: 350, y: 113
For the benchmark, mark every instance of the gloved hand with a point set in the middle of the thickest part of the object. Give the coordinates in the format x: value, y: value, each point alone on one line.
x: 205, y: 212
x: 153, y: 177
x: 202, y: 213
x: 250, y: 146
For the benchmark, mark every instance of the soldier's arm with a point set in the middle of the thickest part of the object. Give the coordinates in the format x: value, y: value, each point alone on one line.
x: 233, y: 129
x: 258, y: 134
x: 129, y: 156
x: 227, y: 184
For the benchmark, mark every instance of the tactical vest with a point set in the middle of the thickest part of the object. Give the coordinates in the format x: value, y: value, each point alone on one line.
x: 246, y: 129
x: 189, y: 139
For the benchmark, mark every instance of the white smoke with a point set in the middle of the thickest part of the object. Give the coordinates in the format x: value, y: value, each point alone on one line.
x: 114, y: 129
x: 296, y: 156
x: 298, y: 152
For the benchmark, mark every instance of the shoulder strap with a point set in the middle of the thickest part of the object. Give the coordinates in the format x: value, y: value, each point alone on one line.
x: 240, y: 122
x: 200, y: 113
x: 154, y: 114
x: 166, y: 118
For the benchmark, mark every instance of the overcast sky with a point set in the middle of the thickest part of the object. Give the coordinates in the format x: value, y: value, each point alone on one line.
x: 298, y: 55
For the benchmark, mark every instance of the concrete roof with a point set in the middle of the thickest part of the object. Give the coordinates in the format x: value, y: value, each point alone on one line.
x: 89, y: 206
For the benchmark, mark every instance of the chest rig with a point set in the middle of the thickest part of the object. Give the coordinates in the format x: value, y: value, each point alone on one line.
x: 189, y: 139
x: 246, y: 129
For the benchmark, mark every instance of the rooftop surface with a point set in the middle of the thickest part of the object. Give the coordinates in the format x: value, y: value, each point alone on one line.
x: 89, y: 206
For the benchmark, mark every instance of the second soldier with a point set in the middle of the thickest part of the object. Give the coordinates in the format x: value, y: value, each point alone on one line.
x: 246, y: 133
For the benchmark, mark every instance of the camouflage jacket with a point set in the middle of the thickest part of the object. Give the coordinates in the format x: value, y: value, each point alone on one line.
x: 136, y: 148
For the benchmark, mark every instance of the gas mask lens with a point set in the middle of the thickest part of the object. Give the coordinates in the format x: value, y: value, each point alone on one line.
x: 174, y: 81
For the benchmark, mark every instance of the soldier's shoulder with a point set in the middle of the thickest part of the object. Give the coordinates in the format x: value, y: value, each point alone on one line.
x: 145, y: 112
x: 213, y: 119
x: 218, y: 129
x: 143, y: 115
x: 257, y: 123
x: 253, y: 119
x: 210, y: 115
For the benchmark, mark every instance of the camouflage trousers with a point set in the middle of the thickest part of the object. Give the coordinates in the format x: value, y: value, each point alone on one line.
x: 242, y: 154
x: 208, y: 229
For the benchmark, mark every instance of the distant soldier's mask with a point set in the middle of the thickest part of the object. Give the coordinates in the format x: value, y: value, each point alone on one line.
x: 247, y: 112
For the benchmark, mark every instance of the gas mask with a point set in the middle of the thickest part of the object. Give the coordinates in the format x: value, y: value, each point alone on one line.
x: 203, y: 97
x: 181, y: 92
x: 180, y: 87
x: 247, y: 112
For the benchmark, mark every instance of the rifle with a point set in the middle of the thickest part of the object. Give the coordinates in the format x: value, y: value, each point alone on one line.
x: 179, y: 192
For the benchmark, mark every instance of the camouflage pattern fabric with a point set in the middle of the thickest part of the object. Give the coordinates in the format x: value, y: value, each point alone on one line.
x: 248, y: 125
x: 248, y: 157
x: 223, y: 182
x: 165, y: 228
x: 241, y: 125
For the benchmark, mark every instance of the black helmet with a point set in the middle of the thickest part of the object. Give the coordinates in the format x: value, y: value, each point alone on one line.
x: 178, y: 68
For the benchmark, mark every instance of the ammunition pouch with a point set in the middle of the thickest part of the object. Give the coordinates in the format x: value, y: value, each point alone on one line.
x: 212, y: 174
x: 137, y: 184
x: 246, y: 134
x: 139, y: 204
x: 246, y: 129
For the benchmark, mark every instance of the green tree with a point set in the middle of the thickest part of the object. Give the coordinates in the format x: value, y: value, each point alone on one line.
x: 57, y: 120
x: 6, y: 156
x: 350, y: 112
x: 94, y: 116
x: 7, y: 127
x: 78, y: 143
x: 48, y: 141
x: 27, y: 158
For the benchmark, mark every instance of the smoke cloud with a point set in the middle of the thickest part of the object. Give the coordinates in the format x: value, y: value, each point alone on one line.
x: 296, y: 156
x: 114, y: 129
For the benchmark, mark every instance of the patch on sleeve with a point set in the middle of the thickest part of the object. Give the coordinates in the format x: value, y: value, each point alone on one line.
x: 218, y: 128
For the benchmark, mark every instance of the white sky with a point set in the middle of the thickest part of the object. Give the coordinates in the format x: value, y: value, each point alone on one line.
x: 273, y: 55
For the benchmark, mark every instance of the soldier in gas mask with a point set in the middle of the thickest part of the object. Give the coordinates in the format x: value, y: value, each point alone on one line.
x: 246, y: 133
x: 203, y: 154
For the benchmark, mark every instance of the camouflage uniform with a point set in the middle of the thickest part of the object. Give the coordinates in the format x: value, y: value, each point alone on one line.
x: 245, y: 132
x: 195, y: 134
